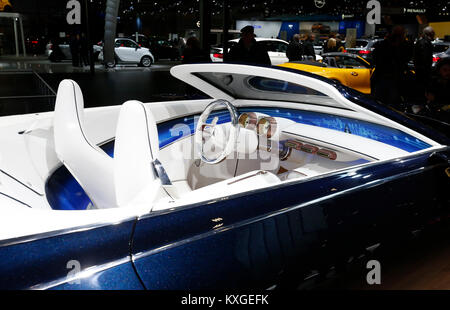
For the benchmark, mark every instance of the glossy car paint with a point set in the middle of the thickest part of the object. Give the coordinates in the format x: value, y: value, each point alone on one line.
x: 41, y: 262
x: 264, y: 238
x: 357, y: 78
x: 248, y: 241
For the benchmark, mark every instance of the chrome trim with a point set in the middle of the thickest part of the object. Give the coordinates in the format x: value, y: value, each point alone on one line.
x: 60, y: 232
x: 202, y: 121
x: 82, y: 274
x: 161, y: 173
x: 275, y: 213
x: 339, y: 147
x: 248, y: 177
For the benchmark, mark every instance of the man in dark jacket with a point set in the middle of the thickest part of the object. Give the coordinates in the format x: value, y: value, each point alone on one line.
x: 248, y: 50
x: 438, y: 92
x: 75, y: 50
x: 84, y: 50
x: 423, y: 59
x: 193, y: 53
x: 309, y: 47
x: 391, y: 66
x: 294, y: 51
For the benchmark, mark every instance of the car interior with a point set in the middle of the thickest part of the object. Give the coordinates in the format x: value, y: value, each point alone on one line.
x: 224, y: 156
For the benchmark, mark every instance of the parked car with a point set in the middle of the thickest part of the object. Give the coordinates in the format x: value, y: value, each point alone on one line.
x: 348, y: 69
x: 441, y: 50
x: 141, y: 40
x: 64, y: 52
x: 35, y: 45
x: 128, y: 51
x: 160, y: 48
x: 163, y: 49
x: 364, y: 48
x: 278, y: 174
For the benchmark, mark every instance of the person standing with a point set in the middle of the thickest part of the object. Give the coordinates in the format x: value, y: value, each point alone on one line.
x: 331, y: 46
x: 75, y: 50
x: 391, y: 66
x: 294, y: 51
x: 309, y: 47
x: 339, y: 44
x: 193, y: 52
x: 248, y: 50
x: 438, y: 91
x: 84, y: 51
x: 423, y: 59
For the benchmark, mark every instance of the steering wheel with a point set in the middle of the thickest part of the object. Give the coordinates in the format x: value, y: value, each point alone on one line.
x: 209, y: 137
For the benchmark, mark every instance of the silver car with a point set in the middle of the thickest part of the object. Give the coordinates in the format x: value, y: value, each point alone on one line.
x: 364, y: 48
x: 441, y: 50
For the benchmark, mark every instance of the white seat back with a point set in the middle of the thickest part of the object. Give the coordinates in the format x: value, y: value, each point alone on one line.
x: 135, y: 151
x: 90, y: 166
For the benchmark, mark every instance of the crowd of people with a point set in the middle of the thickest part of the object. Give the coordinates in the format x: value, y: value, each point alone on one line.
x: 301, y: 48
x: 425, y: 90
x: 422, y: 90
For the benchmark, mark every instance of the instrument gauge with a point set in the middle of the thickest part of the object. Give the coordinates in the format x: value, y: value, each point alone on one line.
x: 248, y: 120
x: 267, y: 126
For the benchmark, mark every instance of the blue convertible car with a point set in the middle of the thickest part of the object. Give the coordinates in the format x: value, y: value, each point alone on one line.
x: 277, y: 174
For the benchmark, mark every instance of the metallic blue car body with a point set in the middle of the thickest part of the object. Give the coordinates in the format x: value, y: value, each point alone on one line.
x: 255, y: 240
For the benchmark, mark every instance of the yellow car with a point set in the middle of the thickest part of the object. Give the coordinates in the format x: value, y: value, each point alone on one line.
x: 348, y: 69
x: 5, y: 6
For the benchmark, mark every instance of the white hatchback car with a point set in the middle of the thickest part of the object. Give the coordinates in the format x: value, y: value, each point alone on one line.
x: 276, y: 49
x: 128, y: 51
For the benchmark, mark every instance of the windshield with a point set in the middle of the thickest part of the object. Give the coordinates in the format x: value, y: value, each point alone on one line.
x: 242, y: 86
x: 361, y: 44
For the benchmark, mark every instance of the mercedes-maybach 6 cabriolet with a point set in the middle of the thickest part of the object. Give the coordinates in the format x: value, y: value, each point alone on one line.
x: 277, y: 174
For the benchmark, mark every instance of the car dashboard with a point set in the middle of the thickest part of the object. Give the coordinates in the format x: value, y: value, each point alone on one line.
x: 304, y: 150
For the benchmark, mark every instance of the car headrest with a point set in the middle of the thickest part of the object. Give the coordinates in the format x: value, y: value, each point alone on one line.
x: 135, y: 150
x: 90, y: 166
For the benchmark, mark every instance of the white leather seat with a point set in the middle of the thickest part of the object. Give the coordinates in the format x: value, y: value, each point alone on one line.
x: 90, y: 166
x: 136, y: 152
x: 133, y: 176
